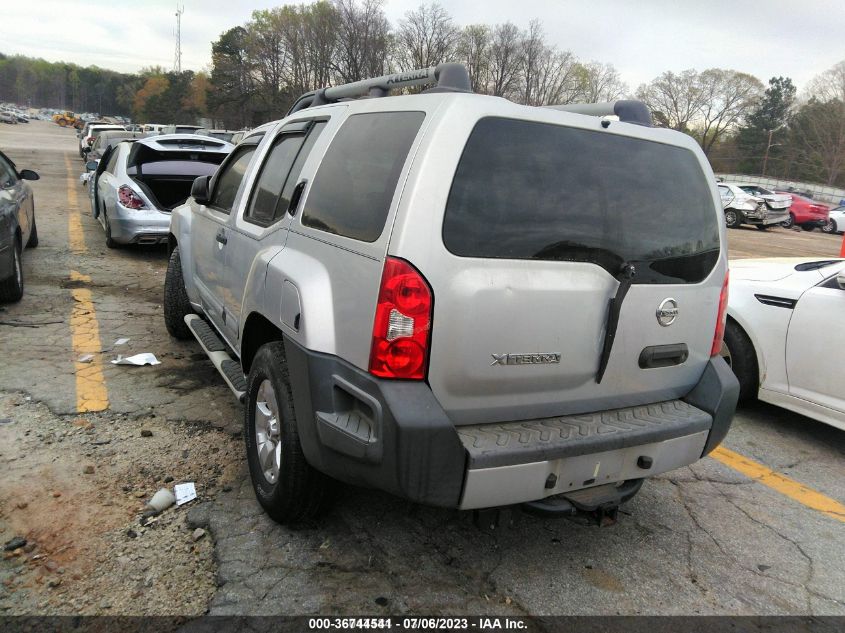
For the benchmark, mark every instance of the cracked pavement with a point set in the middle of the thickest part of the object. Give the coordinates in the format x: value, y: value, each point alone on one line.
x: 699, y: 540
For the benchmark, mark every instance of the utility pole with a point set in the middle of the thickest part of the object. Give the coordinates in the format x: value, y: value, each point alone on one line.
x: 768, y: 147
x: 177, y: 62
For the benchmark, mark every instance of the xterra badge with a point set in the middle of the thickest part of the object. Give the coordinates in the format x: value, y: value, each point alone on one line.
x: 525, y: 359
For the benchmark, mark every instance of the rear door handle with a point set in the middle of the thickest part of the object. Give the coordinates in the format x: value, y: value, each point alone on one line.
x: 221, y: 236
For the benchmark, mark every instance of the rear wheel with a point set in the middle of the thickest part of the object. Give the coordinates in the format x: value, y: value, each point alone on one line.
x: 286, y: 485
x: 738, y: 352
x: 11, y: 289
x: 789, y: 222
x: 176, y: 303
x: 808, y: 227
x: 109, y: 239
x: 830, y: 227
x: 731, y: 218
x: 762, y: 227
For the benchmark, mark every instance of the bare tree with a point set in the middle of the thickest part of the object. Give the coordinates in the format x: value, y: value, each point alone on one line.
x: 675, y: 100
x: 474, y: 51
x: 505, y: 52
x: 728, y: 97
x: 817, y: 130
x: 556, y: 78
x: 363, y: 39
x: 534, y: 49
x: 600, y: 82
x: 268, y: 55
x: 426, y: 37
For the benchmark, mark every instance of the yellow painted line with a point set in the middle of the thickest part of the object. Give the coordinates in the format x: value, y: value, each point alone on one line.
x: 780, y: 483
x: 91, y: 393
x: 75, y: 236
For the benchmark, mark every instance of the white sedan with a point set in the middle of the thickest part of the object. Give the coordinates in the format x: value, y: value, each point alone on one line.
x: 784, y: 338
x: 835, y: 221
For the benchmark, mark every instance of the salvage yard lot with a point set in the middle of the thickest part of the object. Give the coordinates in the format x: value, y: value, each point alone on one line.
x: 700, y: 540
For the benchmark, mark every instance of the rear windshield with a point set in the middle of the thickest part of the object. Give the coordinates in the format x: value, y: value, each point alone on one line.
x: 526, y: 190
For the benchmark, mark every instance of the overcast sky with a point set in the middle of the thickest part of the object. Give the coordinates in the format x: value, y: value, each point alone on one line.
x: 642, y: 38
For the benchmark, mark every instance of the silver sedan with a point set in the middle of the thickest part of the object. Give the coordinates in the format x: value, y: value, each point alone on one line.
x: 137, y: 183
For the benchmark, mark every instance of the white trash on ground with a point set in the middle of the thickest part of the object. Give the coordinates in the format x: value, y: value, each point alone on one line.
x: 138, y: 360
x: 185, y: 492
x: 162, y: 500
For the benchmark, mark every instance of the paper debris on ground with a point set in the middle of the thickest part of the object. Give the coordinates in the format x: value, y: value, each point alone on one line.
x: 185, y: 492
x: 85, y: 358
x: 121, y: 341
x: 138, y: 360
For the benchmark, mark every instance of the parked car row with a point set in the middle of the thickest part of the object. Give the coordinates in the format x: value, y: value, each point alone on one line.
x: 18, y: 230
x: 746, y: 203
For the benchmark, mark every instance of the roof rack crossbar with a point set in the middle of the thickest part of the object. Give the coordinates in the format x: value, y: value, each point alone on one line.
x: 628, y: 110
x: 448, y: 77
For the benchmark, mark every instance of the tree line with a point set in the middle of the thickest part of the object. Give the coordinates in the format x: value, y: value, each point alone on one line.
x: 258, y: 69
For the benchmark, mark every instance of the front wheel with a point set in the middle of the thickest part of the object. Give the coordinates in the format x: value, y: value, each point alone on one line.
x: 830, y: 227
x: 176, y: 303
x: 11, y: 289
x: 731, y: 219
x: 738, y: 352
x: 285, y: 484
x: 789, y: 222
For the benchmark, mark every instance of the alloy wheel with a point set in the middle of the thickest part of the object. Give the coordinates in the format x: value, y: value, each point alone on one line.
x: 268, y: 441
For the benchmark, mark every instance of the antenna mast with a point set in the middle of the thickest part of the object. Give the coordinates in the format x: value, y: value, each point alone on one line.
x: 177, y: 62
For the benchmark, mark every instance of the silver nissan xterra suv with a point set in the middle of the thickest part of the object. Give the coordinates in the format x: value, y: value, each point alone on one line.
x: 460, y: 300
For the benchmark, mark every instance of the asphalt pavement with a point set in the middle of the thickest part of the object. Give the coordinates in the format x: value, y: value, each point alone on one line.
x: 708, y: 539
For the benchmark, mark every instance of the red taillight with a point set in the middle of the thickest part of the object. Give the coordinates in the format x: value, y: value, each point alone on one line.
x: 129, y: 198
x: 91, y: 140
x: 402, y: 323
x: 720, y: 323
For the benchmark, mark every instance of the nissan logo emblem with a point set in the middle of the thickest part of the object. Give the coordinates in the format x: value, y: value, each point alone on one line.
x: 667, y: 312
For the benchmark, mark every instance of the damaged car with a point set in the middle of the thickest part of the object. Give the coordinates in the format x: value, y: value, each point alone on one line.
x: 138, y: 183
x: 761, y: 209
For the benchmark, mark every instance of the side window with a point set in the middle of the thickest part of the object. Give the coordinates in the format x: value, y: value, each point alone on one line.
x: 7, y: 175
x: 280, y: 173
x: 112, y: 161
x: 271, y: 180
x: 229, y: 179
x: 355, y: 183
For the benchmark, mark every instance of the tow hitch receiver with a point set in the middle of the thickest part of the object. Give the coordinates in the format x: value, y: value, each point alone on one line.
x: 600, y: 503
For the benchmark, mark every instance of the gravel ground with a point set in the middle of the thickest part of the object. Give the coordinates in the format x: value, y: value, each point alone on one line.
x: 74, y: 487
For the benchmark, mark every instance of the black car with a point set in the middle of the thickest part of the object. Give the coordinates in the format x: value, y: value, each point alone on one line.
x: 17, y: 226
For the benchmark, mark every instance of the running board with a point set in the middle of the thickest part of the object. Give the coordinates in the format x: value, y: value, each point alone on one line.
x: 215, y: 349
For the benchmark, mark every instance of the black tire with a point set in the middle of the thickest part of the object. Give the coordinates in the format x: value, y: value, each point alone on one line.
x: 176, y: 303
x: 32, y: 242
x: 11, y: 289
x: 732, y: 219
x: 743, y: 361
x: 299, y: 492
x: 789, y: 223
x: 109, y: 239
x: 830, y: 227
x: 762, y: 227
x: 808, y: 227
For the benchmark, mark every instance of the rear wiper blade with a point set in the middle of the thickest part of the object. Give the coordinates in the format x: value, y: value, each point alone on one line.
x: 625, y: 276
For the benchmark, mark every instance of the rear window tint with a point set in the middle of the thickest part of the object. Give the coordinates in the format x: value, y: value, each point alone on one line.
x: 526, y: 190
x: 355, y: 183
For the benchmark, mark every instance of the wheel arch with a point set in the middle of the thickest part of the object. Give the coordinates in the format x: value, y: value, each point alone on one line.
x: 257, y: 331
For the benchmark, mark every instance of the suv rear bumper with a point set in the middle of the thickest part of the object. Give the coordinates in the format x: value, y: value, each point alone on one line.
x: 394, y: 435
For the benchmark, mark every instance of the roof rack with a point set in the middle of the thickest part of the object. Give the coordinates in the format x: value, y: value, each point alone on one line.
x: 448, y: 77
x: 628, y: 110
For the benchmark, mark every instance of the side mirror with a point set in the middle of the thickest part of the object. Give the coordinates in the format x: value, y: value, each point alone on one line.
x: 199, y: 190
x: 840, y: 279
x: 28, y: 174
x: 91, y: 165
